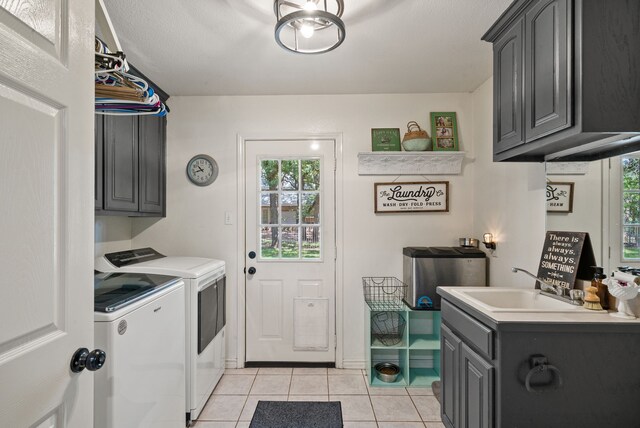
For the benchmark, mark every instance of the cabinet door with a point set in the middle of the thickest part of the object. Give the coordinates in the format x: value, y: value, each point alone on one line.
x: 152, y: 163
x: 548, y: 94
x: 121, y: 163
x: 476, y: 390
x: 508, y: 81
x: 449, y: 373
x: 99, y: 147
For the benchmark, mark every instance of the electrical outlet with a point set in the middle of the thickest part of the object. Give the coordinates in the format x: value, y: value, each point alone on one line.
x: 227, y: 218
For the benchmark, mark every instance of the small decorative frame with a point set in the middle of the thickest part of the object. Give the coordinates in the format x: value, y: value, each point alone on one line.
x: 559, y: 197
x: 432, y: 196
x: 444, y: 131
x: 385, y: 139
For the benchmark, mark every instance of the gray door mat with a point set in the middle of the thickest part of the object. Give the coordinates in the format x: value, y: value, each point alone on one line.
x: 297, y: 414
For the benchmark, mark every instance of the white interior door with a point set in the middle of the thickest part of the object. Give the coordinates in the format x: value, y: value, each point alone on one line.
x: 46, y: 211
x: 290, y: 242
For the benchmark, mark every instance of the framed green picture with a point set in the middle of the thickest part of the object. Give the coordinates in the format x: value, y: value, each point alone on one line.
x: 444, y: 131
x: 385, y: 139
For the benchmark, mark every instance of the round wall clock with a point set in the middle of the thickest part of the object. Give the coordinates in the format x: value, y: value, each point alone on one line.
x: 202, y: 170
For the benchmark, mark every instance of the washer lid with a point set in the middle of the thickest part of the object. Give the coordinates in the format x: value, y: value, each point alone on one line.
x: 147, y: 260
x: 113, y: 291
x: 184, y: 267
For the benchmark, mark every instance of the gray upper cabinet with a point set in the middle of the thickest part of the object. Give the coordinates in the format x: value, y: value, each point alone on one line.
x: 508, y: 53
x: 152, y: 164
x: 565, y: 76
x: 99, y: 144
x: 130, y: 165
x: 547, y: 80
x: 120, y: 173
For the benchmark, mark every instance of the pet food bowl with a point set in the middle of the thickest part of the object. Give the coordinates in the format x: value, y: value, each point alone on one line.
x: 387, y: 372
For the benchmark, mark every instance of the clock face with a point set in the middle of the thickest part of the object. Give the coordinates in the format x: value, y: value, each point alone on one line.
x: 202, y: 170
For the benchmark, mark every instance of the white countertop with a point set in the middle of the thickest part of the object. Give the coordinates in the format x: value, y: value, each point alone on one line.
x: 457, y: 295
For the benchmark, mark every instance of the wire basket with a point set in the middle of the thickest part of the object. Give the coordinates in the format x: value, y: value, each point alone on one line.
x: 387, y: 327
x: 384, y: 293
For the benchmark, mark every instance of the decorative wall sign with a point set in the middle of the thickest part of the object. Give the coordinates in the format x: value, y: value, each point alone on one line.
x: 444, y: 131
x: 565, y: 257
x: 559, y: 197
x: 411, y: 197
x: 385, y: 139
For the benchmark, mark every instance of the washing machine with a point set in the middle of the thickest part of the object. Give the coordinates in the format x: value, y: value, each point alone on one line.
x: 205, y: 308
x: 139, y: 323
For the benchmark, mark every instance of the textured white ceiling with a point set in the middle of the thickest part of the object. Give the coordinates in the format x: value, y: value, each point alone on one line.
x: 227, y: 47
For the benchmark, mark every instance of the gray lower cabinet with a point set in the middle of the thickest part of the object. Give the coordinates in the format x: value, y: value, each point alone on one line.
x: 467, y: 384
x: 130, y: 165
x: 476, y: 390
x: 537, y: 374
x: 565, y: 78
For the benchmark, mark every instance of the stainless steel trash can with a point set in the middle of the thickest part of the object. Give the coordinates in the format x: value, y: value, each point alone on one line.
x: 426, y: 268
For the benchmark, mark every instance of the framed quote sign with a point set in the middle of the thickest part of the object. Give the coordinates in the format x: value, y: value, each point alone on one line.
x: 411, y: 197
x: 559, y: 197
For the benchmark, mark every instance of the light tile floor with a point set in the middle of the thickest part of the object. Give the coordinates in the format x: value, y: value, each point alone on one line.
x: 237, y: 394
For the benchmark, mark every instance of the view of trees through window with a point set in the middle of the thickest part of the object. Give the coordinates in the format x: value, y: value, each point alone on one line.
x: 631, y: 208
x: 290, y: 208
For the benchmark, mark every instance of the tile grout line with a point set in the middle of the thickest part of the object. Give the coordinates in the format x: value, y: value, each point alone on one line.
x: 246, y: 398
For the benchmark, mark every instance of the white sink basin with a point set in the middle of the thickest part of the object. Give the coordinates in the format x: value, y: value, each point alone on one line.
x: 496, y: 299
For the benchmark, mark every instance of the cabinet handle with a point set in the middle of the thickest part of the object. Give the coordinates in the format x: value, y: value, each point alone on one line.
x: 540, y: 364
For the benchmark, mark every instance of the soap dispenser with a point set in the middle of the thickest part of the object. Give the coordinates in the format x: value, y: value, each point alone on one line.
x: 602, y: 292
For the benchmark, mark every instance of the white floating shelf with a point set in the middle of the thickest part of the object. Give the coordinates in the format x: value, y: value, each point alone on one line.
x: 567, y: 168
x: 410, y: 163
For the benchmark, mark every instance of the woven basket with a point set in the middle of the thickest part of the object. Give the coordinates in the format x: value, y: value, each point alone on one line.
x: 416, y: 139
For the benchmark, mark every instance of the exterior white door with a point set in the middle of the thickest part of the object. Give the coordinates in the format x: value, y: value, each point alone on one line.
x: 290, y: 250
x: 46, y: 211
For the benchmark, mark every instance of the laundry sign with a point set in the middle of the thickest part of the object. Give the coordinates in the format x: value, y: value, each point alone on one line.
x: 412, y: 197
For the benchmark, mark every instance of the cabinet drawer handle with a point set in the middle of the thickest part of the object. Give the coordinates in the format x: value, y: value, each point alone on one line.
x: 540, y: 365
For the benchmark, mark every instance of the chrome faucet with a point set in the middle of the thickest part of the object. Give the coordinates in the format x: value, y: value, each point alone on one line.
x: 554, y: 291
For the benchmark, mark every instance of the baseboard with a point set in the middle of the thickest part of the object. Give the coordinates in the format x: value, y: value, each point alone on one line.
x: 249, y: 364
x: 353, y: 364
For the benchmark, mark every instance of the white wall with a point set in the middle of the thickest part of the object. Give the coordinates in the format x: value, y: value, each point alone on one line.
x: 372, y: 244
x: 509, y: 201
x: 112, y: 233
x: 588, y: 204
x: 506, y: 199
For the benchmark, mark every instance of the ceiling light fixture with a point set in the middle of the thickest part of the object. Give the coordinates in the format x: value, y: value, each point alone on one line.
x: 309, y: 26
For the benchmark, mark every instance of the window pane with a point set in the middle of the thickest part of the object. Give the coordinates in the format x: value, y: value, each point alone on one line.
x: 290, y: 174
x: 269, y: 175
x: 310, y: 242
x: 269, y: 208
x: 631, y: 242
x: 631, y: 208
x: 290, y: 247
x: 269, y: 243
x: 631, y: 173
x: 311, y: 174
x: 290, y: 210
x: 311, y: 208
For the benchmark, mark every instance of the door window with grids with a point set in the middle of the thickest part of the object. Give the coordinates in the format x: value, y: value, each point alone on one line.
x: 289, y: 218
x: 631, y: 208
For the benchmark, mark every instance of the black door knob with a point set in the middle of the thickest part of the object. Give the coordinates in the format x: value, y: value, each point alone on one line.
x: 251, y: 270
x: 83, y: 359
x: 252, y: 254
